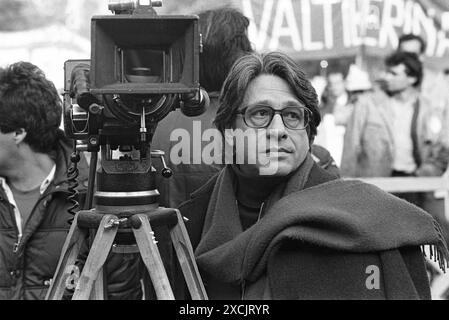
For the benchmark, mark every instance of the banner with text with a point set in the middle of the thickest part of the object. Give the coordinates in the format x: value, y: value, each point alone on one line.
x: 333, y: 28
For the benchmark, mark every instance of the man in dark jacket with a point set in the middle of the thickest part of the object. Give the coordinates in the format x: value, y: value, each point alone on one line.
x: 34, y: 157
x: 34, y: 190
x: 275, y: 225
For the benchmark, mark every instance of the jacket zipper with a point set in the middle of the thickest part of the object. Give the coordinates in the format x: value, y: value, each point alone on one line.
x: 17, y: 244
x: 18, y: 232
x: 13, y: 217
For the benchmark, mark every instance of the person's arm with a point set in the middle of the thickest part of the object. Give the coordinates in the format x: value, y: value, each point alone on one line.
x: 352, y: 141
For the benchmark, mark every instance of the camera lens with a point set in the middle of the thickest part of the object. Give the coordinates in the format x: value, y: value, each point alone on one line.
x: 142, y: 75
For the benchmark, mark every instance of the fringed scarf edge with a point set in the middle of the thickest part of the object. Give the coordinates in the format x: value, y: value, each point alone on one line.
x: 438, y: 252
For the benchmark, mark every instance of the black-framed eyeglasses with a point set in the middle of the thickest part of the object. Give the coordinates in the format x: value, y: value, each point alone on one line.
x: 261, y: 116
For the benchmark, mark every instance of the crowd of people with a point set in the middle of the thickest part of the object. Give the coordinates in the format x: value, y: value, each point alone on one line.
x: 394, y: 126
x: 413, y: 139
x: 288, y: 228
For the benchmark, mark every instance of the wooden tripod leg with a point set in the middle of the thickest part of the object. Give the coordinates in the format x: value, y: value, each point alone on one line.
x: 98, y: 291
x: 186, y: 258
x: 151, y: 257
x: 66, y: 265
x: 97, y: 257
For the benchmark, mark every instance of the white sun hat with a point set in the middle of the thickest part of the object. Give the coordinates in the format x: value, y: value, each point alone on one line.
x: 357, y: 79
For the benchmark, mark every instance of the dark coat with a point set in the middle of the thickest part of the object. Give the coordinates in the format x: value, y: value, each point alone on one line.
x: 299, y: 269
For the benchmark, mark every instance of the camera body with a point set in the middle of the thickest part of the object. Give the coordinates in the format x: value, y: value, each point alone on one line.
x: 141, y: 64
x: 142, y: 67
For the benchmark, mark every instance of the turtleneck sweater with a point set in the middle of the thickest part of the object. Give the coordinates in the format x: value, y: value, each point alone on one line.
x: 252, y: 191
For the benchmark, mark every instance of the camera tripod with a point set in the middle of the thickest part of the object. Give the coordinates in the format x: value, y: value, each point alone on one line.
x: 136, y: 76
x: 110, y: 221
x: 107, y: 226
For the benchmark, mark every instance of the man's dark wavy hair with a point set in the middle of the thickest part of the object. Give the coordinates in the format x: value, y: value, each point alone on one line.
x: 413, y: 66
x: 30, y: 101
x: 225, y: 39
x: 412, y: 37
x: 247, y: 68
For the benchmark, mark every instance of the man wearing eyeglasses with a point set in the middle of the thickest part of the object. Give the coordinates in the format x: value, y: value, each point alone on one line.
x: 274, y: 225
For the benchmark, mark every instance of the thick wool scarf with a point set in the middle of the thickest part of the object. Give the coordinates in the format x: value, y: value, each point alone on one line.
x: 349, y: 216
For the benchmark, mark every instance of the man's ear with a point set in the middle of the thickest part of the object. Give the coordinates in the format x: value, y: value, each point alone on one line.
x: 412, y: 80
x: 19, y: 135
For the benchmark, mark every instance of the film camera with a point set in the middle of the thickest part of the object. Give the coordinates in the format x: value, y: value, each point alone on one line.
x: 143, y: 66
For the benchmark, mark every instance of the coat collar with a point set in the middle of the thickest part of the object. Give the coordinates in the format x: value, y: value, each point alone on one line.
x: 9, y: 195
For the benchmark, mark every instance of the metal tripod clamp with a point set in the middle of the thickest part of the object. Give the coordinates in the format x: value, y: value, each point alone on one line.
x: 114, y: 223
